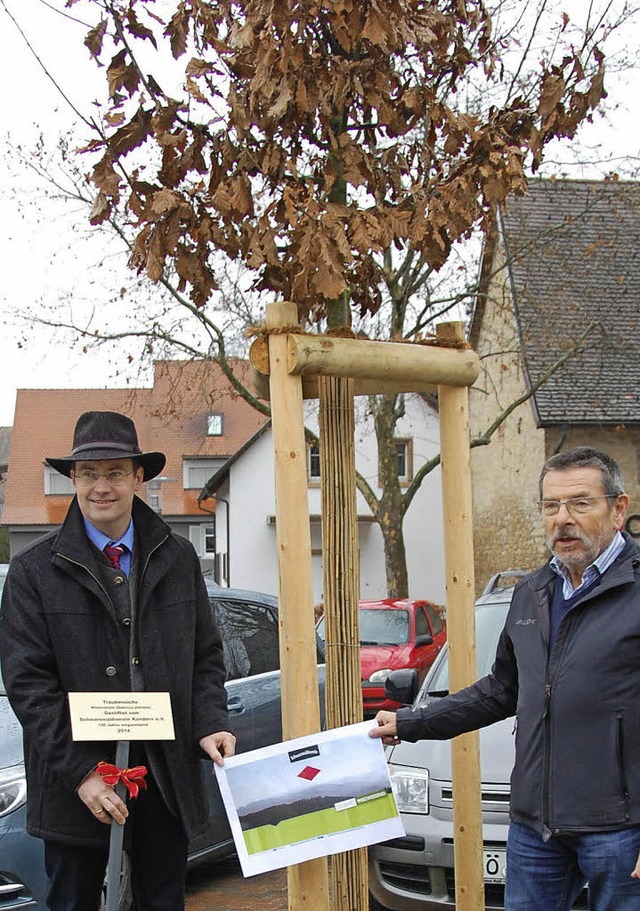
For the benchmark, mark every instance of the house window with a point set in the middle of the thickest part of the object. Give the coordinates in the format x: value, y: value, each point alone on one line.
x: 313, y: 463
x: 154, y: 495
x: 203, y: 538
x: 196, y: 472
x: 404, y: 460
x: 214, y: 424
x: 56, y: 484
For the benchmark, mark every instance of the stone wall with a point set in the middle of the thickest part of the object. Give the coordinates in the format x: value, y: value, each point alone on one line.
x: 505, y: 472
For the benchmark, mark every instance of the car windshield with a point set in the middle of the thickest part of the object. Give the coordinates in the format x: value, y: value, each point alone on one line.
x: 383, y: 627
x: 489, y: 623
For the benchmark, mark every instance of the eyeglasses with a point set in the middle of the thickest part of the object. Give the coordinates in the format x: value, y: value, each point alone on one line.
x: 86, y: 477
x: 577, y: 506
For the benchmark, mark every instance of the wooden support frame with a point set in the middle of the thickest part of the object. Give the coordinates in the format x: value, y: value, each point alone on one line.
x: 410, y: 367
x: 292, y: 360
x: 463, y: 663
x: 361, y: 386
x: 308, y: 883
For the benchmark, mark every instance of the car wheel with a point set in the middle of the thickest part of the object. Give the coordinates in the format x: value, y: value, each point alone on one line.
x: 124, y: 900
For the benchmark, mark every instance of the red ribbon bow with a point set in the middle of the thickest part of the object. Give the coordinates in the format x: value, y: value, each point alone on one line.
x: 132, y: 779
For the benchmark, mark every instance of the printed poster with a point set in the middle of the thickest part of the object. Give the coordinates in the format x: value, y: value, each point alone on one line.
x: 309, y: 797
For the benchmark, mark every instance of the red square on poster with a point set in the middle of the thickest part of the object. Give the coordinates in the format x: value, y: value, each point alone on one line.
x: 309, y: 773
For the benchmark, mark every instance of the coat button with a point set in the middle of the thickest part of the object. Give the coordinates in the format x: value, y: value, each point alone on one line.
x: 111, y: 671
x: 135, y: 661
x: 126, y: 621
x: 119, y: 580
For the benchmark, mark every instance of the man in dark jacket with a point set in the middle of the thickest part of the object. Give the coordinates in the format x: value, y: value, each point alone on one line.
x: 77, y: 617
x: 568, y: 666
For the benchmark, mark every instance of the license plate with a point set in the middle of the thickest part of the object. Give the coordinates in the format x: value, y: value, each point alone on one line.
x: 495, y: 865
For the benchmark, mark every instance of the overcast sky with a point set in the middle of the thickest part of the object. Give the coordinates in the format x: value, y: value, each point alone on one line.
x: 41, y: 256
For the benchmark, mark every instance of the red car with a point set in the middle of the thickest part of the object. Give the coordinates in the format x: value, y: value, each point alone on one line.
x: 394, y: 633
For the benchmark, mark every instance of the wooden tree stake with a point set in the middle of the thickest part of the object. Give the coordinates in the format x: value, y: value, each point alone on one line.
x: 458, y: 538
x: 308, y: 883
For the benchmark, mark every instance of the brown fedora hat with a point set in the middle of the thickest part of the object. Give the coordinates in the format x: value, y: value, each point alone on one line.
x: 102, y: 435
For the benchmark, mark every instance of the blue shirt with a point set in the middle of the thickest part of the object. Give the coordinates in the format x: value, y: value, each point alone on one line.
x: 602, y: 562
x: 101, y: 540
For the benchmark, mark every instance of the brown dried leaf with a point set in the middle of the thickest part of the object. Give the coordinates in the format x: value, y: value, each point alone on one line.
x: 198, y: 67
x: 100, y: 210
x: 105, y: 177
x: 95, y: 37
x: 177, y: 30
x: 154, y: 264
x: 553, y: 88
x: 376, y: 26
x: 122, y: 75
x: 114, y: 119
x: 328, y: 280
x: 132, y: 134
x: 138, y: 30
x: 165, y: 201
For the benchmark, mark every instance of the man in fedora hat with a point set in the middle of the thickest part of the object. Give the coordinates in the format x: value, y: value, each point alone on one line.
x: 112, y: 601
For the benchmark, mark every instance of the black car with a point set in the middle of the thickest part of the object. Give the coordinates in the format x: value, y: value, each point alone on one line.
x: 248, y: 622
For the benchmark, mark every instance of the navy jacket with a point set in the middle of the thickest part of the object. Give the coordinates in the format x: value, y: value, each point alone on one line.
x: 577, y: 765
x: 59, y: 633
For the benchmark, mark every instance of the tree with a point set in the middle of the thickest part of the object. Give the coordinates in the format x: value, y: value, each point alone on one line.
x: 312, y: 137
x: 338, y: 150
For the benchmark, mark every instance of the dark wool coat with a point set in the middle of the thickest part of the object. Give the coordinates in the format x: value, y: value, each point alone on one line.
x: 578, y: 707
x: 59, y: 633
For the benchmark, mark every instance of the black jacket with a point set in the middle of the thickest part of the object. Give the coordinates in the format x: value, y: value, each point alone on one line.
x: 577, y: 765
x: 60, y: 634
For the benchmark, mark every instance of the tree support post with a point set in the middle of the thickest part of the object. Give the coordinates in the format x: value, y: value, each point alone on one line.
x: 341, y: 587
x: 308, y: 883
x: 463, y: 664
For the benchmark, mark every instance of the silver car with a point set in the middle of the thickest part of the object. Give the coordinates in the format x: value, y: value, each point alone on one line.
x: 416, y: 873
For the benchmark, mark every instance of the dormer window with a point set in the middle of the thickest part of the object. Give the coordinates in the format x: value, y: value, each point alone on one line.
x: 214, y: 424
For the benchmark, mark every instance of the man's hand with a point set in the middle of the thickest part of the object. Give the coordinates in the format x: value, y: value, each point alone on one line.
x: 218, y: 745
x: 102, y: 800
x: 636, y: 870
x: 386, y: 729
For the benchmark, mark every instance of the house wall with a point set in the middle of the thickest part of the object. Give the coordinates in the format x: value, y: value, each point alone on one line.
x: 507, y: 532
x: 251, y: 493
x: 423, y: 522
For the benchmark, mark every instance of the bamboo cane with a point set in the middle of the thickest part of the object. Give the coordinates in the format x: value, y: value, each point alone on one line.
x: 341, y: 585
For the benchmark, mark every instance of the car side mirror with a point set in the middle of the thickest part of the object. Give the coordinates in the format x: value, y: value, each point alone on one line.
x: 402, y: 685
x: 425, y: 639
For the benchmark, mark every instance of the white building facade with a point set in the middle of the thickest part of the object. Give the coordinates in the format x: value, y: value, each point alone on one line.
x: 245, y: 509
